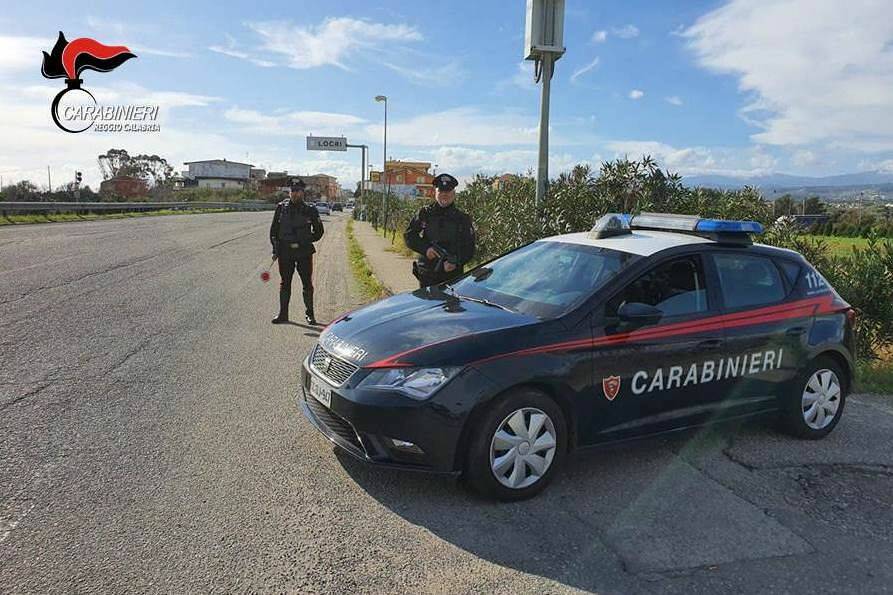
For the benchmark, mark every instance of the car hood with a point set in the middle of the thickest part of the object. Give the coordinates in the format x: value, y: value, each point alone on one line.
x: 394, y: 330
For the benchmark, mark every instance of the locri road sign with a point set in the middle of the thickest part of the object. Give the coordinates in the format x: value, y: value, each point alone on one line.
x: 326, y: 143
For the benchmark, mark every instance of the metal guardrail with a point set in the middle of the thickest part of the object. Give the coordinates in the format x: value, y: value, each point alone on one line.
x: 98, y: 207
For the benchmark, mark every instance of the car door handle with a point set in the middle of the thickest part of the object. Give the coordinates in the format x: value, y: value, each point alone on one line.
x: 709, y: 345
x: 795, y: 331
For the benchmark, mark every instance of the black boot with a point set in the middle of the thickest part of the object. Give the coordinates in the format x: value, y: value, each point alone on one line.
x: 283, y: 308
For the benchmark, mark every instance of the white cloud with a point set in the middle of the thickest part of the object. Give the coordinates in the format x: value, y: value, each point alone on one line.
x: 673, y: 100
x: 232, y: 50
x: 427, y: 76
x: 461, y: 126
x: 626, y: 32
x: 295, y: 123
x: 584, y: 69
x: 599, y: 36
x: 464, y: 162
x: 126, y: 33
x: 816, y: 71
x: 22, y: 53
x: 333, y: 43
x: 523, y: 77
x: 740, y: 162
x: 636, y: 94
x: 804, y: 158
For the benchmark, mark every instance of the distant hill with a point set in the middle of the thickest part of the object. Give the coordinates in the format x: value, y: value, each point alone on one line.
x: 788, y: 182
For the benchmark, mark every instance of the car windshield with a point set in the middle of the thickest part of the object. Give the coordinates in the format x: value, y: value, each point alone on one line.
x: 544, y: 279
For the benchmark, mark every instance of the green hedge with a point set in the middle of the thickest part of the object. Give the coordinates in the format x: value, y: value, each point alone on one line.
x: 505, y: 217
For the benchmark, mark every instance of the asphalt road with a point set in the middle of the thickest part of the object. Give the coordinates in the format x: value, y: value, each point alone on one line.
x: 149, y: 441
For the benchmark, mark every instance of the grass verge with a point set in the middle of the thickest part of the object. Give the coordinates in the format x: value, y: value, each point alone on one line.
x: 875, y: 377
x: 371, y: 287
x: 397, y: 243
x: 68, y: 217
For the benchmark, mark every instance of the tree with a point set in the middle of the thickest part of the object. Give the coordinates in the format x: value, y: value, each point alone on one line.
x: 785, y: 206
x: 23, y: 191
x: 814, y: 206
x: 153, y: 169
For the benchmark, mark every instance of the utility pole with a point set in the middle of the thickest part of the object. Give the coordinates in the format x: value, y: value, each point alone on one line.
x: 542, y: 169
x: 544, y: 44
x: 49, y: 180
x: 860, y: 208
x: 384, y: 165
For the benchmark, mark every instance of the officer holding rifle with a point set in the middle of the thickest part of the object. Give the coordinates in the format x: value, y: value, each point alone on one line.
x: 442, y: 235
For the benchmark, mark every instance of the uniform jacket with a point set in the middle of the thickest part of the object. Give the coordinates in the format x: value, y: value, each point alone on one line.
x: 449, y: 227
x: 295, y: 224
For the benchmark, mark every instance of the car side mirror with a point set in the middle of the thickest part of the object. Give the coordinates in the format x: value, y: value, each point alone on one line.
x: 638, y: 314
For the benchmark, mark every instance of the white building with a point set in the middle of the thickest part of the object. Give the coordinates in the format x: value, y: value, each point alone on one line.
x: 219, y: 174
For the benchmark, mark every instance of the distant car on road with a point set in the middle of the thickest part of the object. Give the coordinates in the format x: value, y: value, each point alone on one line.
x: 323, y: 208
x: 337, y: 206
x: 644, y: 325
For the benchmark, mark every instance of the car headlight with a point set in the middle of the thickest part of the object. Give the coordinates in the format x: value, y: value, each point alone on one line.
x: 418, y: 383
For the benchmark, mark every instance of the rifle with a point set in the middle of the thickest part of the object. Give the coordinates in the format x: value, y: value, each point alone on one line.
x: 443, y: 256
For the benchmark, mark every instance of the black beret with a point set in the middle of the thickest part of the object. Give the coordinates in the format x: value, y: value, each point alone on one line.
x: 445, y: 182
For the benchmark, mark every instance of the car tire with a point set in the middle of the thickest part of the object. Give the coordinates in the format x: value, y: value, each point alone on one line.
x: 815, y: 402
x: 503, y: 460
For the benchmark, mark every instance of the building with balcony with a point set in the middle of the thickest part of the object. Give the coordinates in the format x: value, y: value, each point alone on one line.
x: 404, y: 176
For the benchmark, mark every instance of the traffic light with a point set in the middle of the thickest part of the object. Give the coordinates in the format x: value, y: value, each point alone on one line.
x: 78, y: 177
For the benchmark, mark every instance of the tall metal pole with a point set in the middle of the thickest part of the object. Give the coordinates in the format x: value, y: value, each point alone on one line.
x: 542, y: 170
x: 49, y: 180
x: 860, y: 208
x: 384, y: 167
x: 363, y: 174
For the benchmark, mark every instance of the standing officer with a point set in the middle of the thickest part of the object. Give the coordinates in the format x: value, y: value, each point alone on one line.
x: 442, y: 235
x: 296, y: 225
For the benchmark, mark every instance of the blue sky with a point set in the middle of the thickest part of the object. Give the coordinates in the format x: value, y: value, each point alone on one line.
x: 734, y: 87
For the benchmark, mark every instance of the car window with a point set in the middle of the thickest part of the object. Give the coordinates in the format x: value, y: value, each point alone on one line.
x: 676, y: 287
x: 748, y: 280
x: 544, y: 279
x: 791, y: 270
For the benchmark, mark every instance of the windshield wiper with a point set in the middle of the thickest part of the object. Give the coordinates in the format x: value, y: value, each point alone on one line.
x: 486, y: 303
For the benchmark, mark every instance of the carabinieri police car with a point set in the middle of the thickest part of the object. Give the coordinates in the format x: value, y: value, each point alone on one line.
x: 646, y: 324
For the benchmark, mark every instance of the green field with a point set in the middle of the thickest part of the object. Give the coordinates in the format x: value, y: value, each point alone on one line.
x: 840, y: 246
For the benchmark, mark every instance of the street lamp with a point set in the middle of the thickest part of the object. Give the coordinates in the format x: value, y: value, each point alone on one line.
x: 384, y: 164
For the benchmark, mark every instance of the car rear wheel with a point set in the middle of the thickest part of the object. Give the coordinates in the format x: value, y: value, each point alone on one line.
x: 816, y: 401
x: 517, y: 447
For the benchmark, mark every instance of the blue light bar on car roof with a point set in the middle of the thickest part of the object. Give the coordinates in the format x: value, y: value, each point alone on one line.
x: 724, y: 226
x: 614, y: 224
x: 693, y: 223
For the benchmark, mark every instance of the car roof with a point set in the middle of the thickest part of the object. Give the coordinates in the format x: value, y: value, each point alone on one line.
x: 643, y: 242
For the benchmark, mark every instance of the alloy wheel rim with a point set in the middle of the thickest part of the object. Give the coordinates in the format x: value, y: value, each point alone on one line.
x: 523, y: 447
x: 821, y: 399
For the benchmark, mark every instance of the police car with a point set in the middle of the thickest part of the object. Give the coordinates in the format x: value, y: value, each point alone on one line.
x: 646, y: 324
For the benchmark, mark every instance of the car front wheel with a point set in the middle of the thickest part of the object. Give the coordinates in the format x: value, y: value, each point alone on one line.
x: 816, y: 402
x: 517, y: 447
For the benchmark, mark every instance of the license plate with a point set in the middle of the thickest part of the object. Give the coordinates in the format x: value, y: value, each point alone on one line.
x: 320, y: 392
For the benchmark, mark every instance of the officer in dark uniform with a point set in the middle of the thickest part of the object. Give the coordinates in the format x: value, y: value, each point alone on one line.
x: 296, y: 225
x: 442, y: 235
